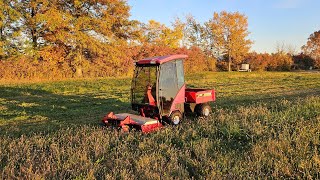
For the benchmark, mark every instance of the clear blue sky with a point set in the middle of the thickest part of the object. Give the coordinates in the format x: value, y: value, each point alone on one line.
x: 271, y: 22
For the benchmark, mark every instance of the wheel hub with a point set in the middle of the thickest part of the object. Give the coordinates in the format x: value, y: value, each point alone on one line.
x: 176, y: 120
x: 206, y: 112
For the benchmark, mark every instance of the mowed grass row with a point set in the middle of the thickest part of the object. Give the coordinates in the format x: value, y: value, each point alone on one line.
x: 264, y: 124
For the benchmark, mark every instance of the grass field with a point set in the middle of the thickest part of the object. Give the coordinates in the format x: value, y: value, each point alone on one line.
x: 264, y: 125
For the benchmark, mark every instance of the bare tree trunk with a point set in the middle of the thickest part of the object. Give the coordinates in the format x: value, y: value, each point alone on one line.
x: 229, y: 52
x: 34, y: 30
x: 1, y: 35
x: 229, y: 63
x: 3, y: 45
x: 34, y: 39
x: 78, y: 72
x: 78, y: 65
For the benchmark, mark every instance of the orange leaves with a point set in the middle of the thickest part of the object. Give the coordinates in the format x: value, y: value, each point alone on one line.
x: 55, y: 19
x: 50, y: 53
x: 197, y: 61
x: 230, y: 33
x: 312, y: 48
x: 272, y: 62
x: 258, y: 62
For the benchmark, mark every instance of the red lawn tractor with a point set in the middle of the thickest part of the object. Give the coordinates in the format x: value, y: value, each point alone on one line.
x: 160, y: 96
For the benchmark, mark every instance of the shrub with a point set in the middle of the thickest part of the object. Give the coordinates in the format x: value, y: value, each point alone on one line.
x: 258, y: 62
x: 280, y: 62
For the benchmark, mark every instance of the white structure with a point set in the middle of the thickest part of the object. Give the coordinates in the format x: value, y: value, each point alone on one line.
x: 245, y: 68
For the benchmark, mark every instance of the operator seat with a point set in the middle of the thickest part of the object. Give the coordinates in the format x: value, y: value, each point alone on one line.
x: 151, y: 100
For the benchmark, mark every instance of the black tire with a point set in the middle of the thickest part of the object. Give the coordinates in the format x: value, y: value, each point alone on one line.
x: 175, y: 118
x: 203, y: 110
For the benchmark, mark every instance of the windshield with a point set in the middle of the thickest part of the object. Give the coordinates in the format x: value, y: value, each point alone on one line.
x: 145, y: 78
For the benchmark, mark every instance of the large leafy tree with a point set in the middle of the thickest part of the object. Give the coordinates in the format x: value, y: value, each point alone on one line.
x: 158, y: 34
x: 196, y: 34
x: 8, y: 29
x: 32, y: 22
x: 312, y: 48
x: 229, y: 32
x: 193, y: 33
x: 87, y: 29
x: 173, y: 36
x: 199, y: 36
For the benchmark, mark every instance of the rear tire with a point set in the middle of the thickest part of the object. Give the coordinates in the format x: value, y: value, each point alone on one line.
x: 203, y: 110
x: 175, y: 118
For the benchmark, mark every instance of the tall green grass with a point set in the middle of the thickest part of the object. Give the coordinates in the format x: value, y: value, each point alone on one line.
x: 263, y: 125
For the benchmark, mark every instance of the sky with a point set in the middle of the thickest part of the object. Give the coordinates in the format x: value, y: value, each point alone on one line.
x: 271, y: 22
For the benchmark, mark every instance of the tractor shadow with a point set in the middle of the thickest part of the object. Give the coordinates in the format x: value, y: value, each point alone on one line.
x: 25, y: 111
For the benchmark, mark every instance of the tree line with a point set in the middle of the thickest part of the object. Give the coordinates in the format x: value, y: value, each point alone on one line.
x: 76, y: 38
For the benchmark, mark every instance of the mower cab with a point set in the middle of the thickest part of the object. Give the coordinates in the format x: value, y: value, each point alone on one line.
x: 158, y: 87
x: 159, y: 94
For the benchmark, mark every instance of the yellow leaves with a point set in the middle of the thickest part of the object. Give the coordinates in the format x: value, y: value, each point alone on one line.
x: 159, y: 34
x: 316, y: 160
x: 77, y: 3
x: 229, y: 31
x: 2, y: 17
x: 1, y: 49
x: 54, y: 19
x: 53, y: 54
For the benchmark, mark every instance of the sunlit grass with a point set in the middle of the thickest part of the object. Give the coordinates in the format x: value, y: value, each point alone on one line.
x: 263, y: 125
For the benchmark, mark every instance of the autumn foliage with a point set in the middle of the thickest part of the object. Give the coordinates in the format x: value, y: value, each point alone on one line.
x: 270, y: 62
x: 66, y: 39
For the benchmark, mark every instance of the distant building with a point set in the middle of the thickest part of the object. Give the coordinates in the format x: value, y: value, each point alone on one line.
x: 245, y: 68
